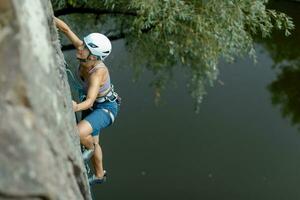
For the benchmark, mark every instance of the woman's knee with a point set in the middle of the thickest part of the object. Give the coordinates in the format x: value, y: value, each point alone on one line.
x: 87, y: 141
x: 84, y: 128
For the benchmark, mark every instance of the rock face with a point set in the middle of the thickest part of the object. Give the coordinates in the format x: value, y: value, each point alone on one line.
x: 40, y: 154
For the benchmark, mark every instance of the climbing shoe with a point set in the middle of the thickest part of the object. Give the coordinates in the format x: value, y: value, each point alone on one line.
x: 95, y: 180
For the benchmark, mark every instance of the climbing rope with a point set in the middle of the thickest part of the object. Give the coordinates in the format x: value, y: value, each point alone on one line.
x: 74, y: 84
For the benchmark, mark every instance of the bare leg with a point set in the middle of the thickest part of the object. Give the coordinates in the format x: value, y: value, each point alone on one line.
x: 85, y: 130
x: 97, y: 158
x: 90, y: 142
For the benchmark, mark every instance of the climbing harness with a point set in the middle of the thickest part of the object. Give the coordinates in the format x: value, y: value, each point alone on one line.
x: 111, y: 96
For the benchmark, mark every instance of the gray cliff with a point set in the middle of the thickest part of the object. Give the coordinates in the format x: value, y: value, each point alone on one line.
x: 40, y: 154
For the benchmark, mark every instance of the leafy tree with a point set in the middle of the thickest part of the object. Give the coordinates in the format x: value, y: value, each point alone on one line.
x: 194, y: 34
x: 284, y: 49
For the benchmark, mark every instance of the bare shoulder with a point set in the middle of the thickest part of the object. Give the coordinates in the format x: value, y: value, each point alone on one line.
x: 101, y: 68
x: 101, y: 71
x: 101, y: 65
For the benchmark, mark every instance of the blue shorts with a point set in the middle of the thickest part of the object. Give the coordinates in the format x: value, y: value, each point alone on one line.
x: 98, y: 118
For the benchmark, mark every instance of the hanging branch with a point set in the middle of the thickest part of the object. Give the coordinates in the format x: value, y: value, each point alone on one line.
x: 111, y: 38
x: 97, y: 11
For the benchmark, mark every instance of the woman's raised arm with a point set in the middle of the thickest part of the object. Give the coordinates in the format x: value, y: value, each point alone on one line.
x: 62, y: 26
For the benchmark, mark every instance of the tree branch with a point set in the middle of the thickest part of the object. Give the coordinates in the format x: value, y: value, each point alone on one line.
x: 112, y: 38
x: 97, y: 11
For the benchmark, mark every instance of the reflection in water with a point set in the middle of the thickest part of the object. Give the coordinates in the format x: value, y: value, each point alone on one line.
x: 286, y: 92
x: 285, y: 52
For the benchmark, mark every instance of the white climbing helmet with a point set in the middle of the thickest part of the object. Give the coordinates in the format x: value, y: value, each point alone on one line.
x: 98, y: 44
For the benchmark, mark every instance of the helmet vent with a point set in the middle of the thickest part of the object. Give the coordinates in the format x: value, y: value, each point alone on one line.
x: 106, y: 52
x: 92, y: 45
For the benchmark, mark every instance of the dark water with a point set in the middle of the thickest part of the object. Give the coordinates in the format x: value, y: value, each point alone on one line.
x: 239, y: 147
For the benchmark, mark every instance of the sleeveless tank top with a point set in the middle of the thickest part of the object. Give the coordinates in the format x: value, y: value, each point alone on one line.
x: 103, y: 88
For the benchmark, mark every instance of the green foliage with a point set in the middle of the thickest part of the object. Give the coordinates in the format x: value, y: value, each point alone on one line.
x: 188, y: 33
x: 68, y: 3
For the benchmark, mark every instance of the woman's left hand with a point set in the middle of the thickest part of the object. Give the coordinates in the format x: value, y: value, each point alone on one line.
x: 75, y: 106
